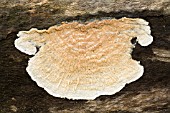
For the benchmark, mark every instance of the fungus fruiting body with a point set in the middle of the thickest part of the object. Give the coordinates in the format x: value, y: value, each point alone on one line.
x: 84, y: 61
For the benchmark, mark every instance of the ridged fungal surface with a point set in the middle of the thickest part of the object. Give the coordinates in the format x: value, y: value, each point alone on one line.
x: 84, y: 61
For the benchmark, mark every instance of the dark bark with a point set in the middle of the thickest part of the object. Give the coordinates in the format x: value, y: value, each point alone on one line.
x: 18, y: 93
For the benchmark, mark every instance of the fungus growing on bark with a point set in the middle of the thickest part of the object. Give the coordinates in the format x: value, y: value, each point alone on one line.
x: 84, y: 61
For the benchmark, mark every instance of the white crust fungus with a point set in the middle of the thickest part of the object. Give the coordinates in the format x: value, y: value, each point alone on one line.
x: 84, y: 61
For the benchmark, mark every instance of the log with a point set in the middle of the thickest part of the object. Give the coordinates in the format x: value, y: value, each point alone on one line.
x: 149, y: 94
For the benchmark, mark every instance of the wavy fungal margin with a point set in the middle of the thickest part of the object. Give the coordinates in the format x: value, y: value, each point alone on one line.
x: 84, y: 61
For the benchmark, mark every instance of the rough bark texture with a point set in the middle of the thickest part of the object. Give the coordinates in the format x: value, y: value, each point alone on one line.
x: 18, y: 93
x: 24, y: 14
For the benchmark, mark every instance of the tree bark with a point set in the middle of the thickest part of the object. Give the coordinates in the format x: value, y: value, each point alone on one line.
x: 149, y: 94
